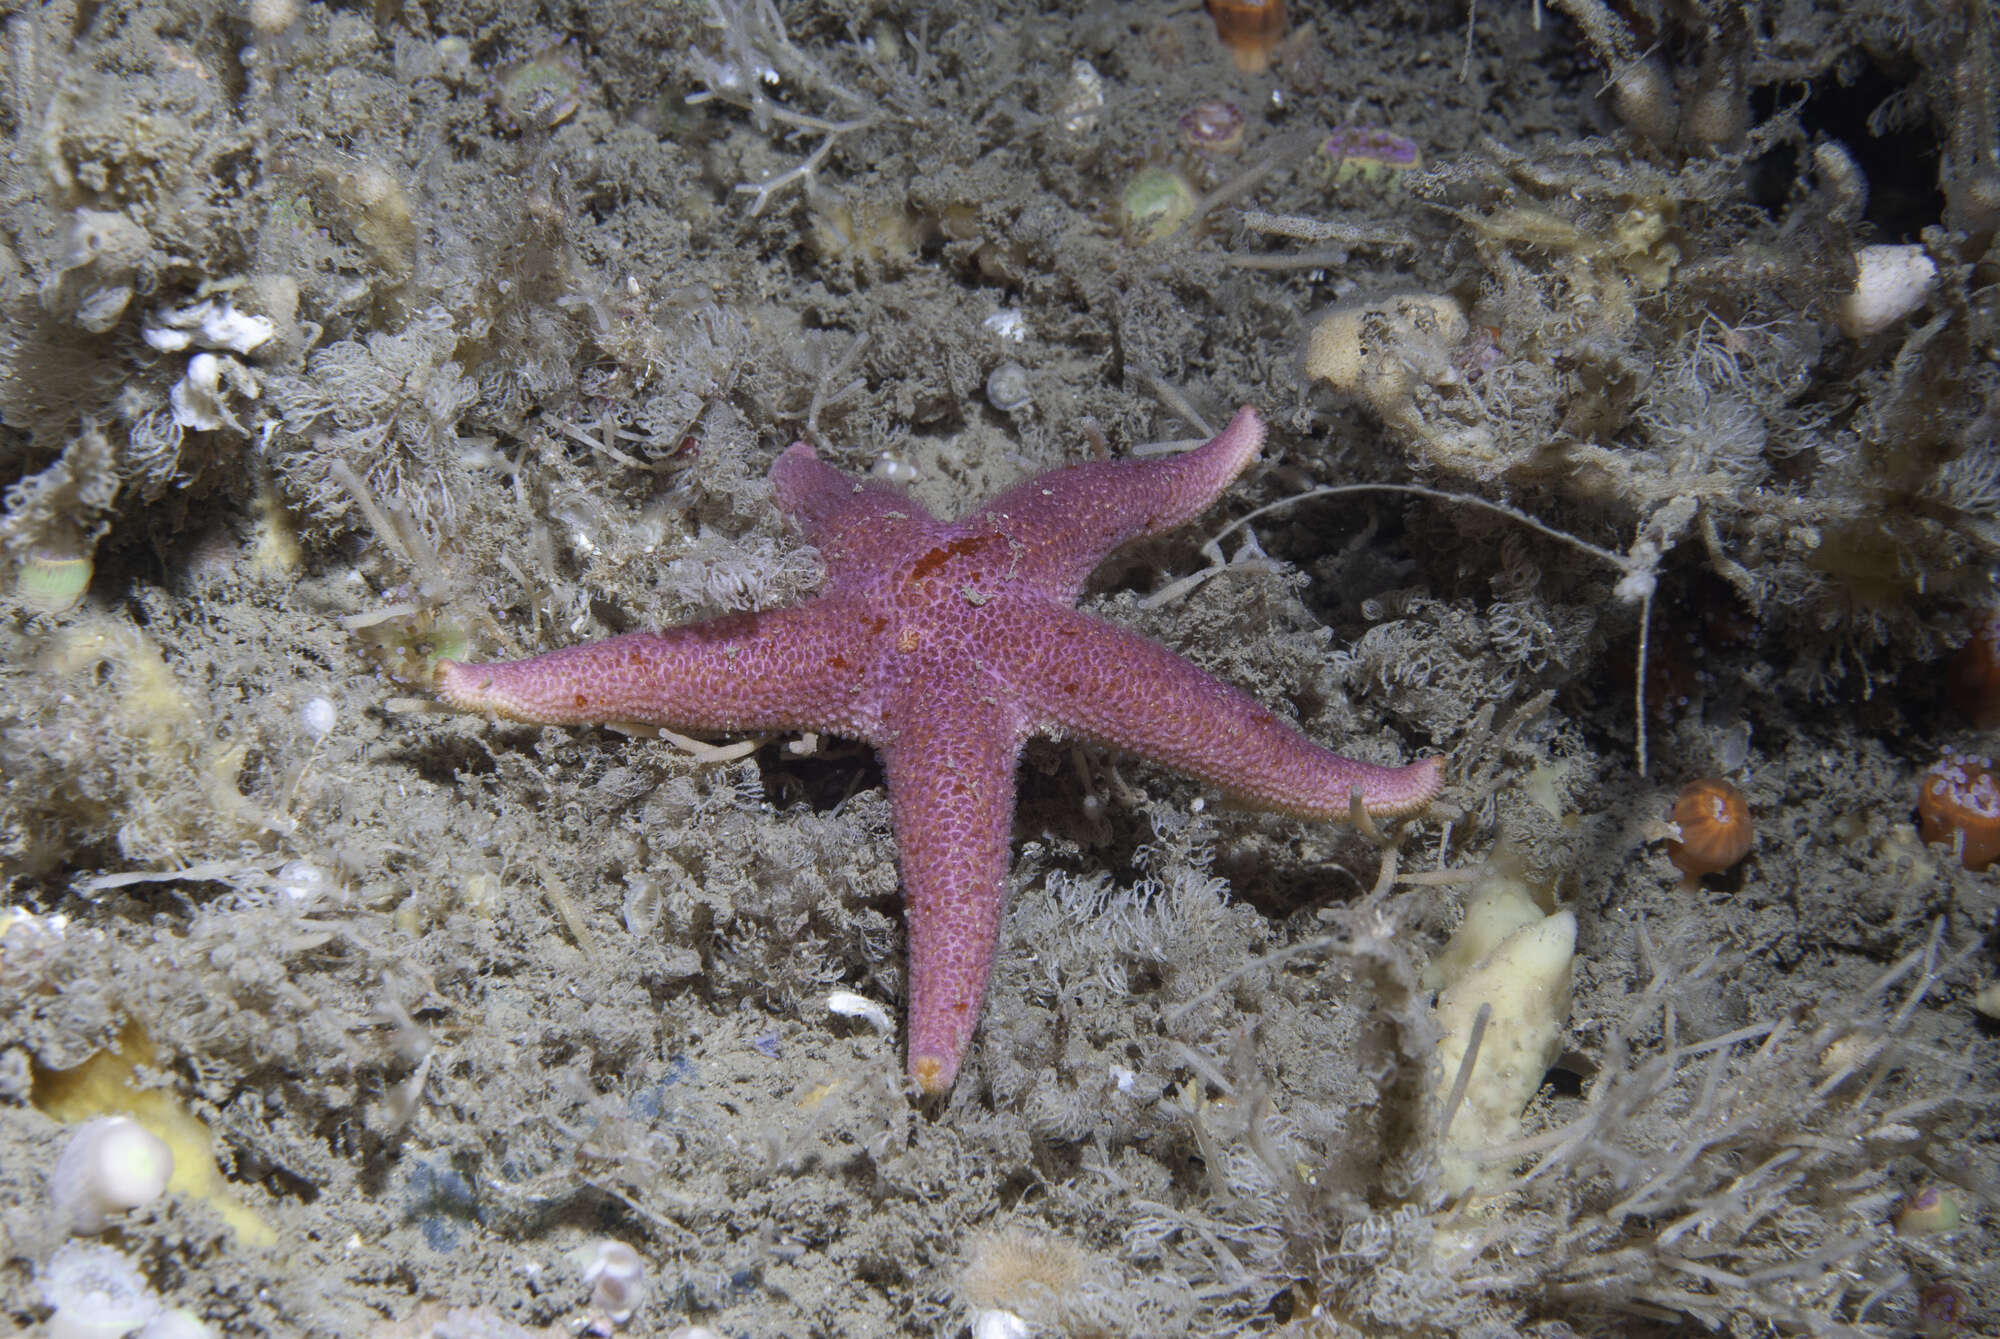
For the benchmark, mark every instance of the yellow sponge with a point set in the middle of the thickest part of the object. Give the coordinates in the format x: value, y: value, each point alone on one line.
x: 107, y: 1085
x: 1514, y: 961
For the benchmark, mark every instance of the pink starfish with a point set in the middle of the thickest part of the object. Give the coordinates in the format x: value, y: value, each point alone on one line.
x: 945, y: 645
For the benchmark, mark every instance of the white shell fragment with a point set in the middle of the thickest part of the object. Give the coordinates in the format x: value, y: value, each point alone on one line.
x: 850, y: 1005
x: 1083, y: 103
x: 1892, y: 282
x: 893, y: 468
x: 1008, y: 324
x: 994, y: 1323
x: 209, y: 323
x: 618, y: 1279
x: 1007, y: 388
x: 199, y: 399
x: 299, y: 884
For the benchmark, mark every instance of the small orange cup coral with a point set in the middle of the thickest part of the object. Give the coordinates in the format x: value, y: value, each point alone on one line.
x: 1958, y: 804
x: 1250, y: 29
x: 1714, y: 820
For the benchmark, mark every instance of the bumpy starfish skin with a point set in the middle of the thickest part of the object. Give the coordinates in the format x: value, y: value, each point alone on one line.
x: 945, y: 646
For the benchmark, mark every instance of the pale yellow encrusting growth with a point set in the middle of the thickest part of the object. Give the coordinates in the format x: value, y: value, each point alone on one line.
x: 1511, y: 961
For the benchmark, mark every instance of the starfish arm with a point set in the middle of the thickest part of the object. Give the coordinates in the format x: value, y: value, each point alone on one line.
x: 1115, y: 687
x: 950, y: 768
x: 860, y: 526
x: 787, y: 669
x: 1061, y: 525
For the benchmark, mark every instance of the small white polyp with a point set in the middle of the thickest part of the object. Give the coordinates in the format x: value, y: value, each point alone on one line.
x: 318, y: 716
x: 97, y: 1293
x: 111, y: 1165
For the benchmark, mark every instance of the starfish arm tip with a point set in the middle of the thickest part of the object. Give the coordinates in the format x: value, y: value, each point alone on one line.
x: 1405, y: 789
x: 794, y: 467
x: 467, y: 687
x: 1243, y: 437
x: 934, y: 1074
x: 452, y: 681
